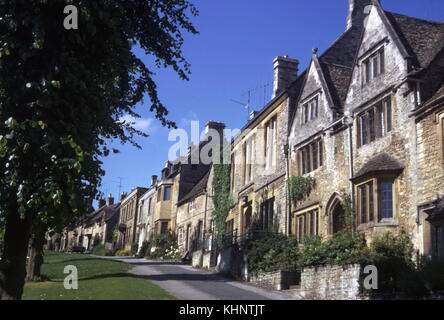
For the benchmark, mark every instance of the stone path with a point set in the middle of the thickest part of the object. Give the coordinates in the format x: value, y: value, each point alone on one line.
x: 188, y: 283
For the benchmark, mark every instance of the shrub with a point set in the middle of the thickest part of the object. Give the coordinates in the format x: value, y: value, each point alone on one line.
x: 343, y: 248
x: 268, y: 252
x: 123, y: 253
x: 99, y: 250
x: 432, y: 274
x: 134, y: 248
x: 392, y: 254
x: 163, y: 246
x: 143, y: 249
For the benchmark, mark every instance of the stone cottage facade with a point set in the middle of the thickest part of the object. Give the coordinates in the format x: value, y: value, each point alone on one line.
x: 363, y: 128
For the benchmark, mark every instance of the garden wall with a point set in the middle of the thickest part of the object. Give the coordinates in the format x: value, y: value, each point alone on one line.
x: 331, y: 283
x: 279, y: 280
x: 232, y: 261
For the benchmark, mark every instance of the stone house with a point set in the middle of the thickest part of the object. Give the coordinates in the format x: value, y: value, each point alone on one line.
x: 259, y: 165
x: 99, y: 224
x: 146, y: 212
x: 128, y: 218
x: 194, y: 224
x: 180, y: 177
x: 367, y: 126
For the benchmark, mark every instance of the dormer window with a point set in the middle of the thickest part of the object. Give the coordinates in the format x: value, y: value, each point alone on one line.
x: 311, y: 157
x: 376, y: 122
x: 310, y: 110
x: 373, y: 66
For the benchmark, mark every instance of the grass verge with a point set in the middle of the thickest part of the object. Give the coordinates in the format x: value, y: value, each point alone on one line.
x: 99, y: 279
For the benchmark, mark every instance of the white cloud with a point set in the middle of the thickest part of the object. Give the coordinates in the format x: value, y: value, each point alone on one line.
x: 142, y: 124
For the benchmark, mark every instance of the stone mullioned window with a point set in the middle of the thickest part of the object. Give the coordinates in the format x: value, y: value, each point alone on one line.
x: 375, y: 122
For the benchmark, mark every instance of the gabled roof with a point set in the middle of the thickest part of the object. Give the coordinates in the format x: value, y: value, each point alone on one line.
x: 382, y: 163
x: 198, y: 189
x: 422, y: 39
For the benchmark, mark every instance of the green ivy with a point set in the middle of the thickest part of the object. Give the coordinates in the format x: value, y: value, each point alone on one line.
x: 222, y: 199
x: 299, y: 188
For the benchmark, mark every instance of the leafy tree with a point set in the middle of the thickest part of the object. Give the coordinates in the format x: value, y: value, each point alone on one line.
x: 222, y: 199
x: 62, y: 95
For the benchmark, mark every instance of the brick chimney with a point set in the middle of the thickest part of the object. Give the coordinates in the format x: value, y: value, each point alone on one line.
x: 102, y: 203
x: 357, y: 11
x: 122, y: 196
x: 285, y: 72
x: 110, y: 201
x: 153, y: 180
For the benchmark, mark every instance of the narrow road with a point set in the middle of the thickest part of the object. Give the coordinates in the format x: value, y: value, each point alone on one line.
x: 188, y: 283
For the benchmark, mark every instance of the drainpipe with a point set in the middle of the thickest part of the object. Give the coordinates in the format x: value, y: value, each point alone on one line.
x: 287, y: 200
x: 351, y: 173
x: 205, y: 220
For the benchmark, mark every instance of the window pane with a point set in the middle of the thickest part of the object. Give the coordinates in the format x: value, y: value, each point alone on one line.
x: 368, y: 71
x: 363, y: 196
x: 315, y: 155
x: 167, y: 193
x: 371, y: 202
x: 306, y: 112
x: 321, y: 154
x: 386, y: 200
x: 371, y: 115
x: 379, y: 121
x: 382, y: 61
x: 388, y: 113
x: 375, y: 67
x: 364, y: 128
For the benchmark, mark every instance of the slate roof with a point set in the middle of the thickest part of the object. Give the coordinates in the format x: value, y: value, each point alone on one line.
x: 439, y: 94
x: 423, y: 39
x: 380, y: 164
x: 106, y: 212
x: 197, y: 189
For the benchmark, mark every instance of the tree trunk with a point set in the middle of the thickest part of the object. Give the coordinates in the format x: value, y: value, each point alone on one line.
x: 35, y: 261
x: 13, y: 263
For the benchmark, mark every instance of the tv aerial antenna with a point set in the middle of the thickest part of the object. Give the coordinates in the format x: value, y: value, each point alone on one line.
x: 119, y: 185
x: 245, y: 105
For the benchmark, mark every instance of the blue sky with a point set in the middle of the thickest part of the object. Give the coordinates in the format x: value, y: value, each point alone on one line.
x: 233, y: 53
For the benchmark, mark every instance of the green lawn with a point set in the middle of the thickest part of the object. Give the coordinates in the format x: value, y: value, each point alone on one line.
x: 99, y: 279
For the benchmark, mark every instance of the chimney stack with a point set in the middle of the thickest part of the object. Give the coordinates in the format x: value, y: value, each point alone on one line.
x: 122, y: 196
x: 153, y: 180
x: 110, y: 200
x: 102, y: 203
x: 252, y: 115
x: 285, y: 72
x: 357, y: 11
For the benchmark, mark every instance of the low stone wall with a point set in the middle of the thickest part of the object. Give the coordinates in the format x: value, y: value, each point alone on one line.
x: 206, y: 260
x: 331, y: 283
x: 232, y: 261
x: 196, y: 260
x: 279, y: 280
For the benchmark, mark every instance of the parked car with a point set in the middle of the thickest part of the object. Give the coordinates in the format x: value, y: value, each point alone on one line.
x: 78, y: 248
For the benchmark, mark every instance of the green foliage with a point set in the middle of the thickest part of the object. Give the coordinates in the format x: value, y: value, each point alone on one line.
x: 222, y: 199
x: 134, y: 248
x: 432, y: 275
x: 163, y: 247
x: 123, y: 253
x: 299, y: 188
x: 97, y: 240
x: 269, y: 252
x: 100, y: 250
x: 144, y: 249
x: 392, y: 254
x: 63, y: 95
x: 343, y: 248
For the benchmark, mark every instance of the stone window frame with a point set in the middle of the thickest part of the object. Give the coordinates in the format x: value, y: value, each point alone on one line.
x: 305, y: 156
x: 375, y: 219
x: 165, y: 188
x: 382, y: 114
x: 270, y: 142
x: 310, y: 227
x: 267, y: 207
x: 309, y: 110
x: 192, y: 205
x: 368, y: 69
x: 248, y: 150
x: 440, y: 130
x: 180, y: 236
